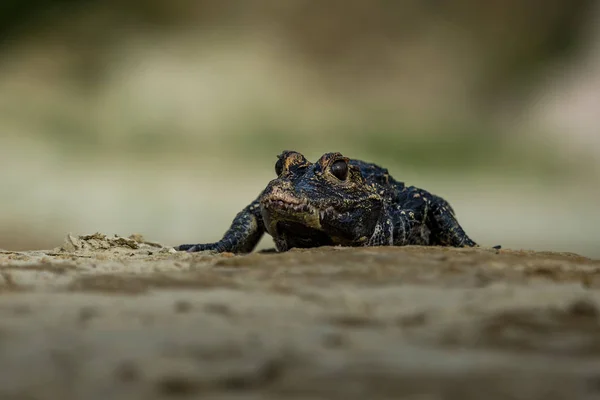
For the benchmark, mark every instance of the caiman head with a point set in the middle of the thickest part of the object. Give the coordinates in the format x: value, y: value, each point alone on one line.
x: 325, y: 203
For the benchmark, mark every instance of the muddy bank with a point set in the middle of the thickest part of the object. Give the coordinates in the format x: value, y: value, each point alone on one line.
x: 116, y: 317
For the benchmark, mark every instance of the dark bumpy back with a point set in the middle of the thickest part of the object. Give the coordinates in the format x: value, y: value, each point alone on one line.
x: 373, y: 173
x: 391, y: 190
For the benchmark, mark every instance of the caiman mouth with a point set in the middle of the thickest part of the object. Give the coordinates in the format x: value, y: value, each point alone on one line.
x: 283, y: 204
x: 287, y: 206
x: 281, y: 209
x: 297, y: 220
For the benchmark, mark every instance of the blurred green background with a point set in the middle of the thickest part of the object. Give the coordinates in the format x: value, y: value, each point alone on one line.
x: 165, y: 117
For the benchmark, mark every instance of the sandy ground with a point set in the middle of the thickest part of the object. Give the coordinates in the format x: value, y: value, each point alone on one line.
x: 120, y: 318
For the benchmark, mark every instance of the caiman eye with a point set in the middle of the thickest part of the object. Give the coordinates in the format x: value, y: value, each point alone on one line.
x: 279, y: 167
x: 339, y: 169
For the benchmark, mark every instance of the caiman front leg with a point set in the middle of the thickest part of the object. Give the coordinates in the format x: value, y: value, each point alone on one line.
x: 242, y: 236
x: 427, y: 219
x: 445, y: 229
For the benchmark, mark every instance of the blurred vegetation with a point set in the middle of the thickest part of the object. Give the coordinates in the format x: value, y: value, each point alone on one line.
x: 513, y: 39
x: 353, y: 50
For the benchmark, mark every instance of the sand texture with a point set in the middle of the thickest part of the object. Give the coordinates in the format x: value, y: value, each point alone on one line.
x: 120, y: 318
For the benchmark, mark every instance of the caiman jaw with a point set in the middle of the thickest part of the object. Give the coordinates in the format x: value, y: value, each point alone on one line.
x: 284, y: 207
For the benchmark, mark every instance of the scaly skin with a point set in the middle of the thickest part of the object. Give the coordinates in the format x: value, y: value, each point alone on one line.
x: 338, y: 201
